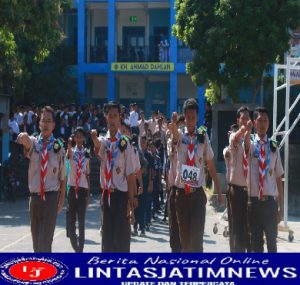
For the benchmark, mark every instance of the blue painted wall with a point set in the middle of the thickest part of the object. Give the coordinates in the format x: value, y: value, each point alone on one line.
x: 157, y: 91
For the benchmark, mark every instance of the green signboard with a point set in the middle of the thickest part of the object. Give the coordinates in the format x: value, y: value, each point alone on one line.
x: 133, y: 19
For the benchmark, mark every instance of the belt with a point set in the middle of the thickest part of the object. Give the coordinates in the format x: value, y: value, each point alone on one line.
x: 74, y: 188
x: 37, y: 194
x: 263, y: 199
x: 192, y: 189
x: 112, y: 190
x: 244, y: 188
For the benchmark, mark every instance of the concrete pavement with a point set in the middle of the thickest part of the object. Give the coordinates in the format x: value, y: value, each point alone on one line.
x: 15, y: 232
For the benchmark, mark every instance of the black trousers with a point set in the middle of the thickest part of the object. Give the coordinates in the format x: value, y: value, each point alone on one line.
x: 116, y: 224
x: 43, y: 220
x: 190, y: 211
x: 76, y: 211
x: 237, y: 204
x: 135, y: 130
x: 173, y: 222
x: 263, y: 219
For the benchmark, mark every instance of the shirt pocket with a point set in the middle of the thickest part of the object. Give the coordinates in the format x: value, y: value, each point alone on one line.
x: 53, y: 166
x: 199, y: 155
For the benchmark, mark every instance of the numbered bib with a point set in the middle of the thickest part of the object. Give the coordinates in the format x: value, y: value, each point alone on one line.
x: 190, y: 175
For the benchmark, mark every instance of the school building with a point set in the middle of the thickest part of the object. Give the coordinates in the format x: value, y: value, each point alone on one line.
x: 124, y: 50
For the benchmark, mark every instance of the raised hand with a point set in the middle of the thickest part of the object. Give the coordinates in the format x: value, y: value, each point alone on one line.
x: 93, y: 134
x: 249, y: 126
x: 23, y: 138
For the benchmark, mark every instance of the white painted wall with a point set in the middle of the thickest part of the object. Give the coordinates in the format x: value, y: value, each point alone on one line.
x: 132, y: 86
x: 100, y: 89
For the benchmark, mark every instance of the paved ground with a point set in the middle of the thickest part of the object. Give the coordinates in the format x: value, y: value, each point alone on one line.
x: 15, y: 232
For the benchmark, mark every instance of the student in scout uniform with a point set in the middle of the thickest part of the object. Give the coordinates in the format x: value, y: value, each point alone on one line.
x: 264, y: 184
x: 237, y: 195
x: 139, y: 161
x: 46, y: 180
x: 117, y: 179
x: 156, y: 176
x: 172, y: 217
x: 79, y: 191
x: 143, y: 210
x: 193, y: 148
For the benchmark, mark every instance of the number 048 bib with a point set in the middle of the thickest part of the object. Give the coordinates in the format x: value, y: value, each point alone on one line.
x: 190, y: 175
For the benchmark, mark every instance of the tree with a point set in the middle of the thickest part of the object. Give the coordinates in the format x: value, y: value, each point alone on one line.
x: 235, y: 41
x: 50, y: 81
x: 29, y: 32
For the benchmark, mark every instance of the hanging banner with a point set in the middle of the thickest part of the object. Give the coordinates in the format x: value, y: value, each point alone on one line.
x: 142, y: 66
x: 295, y: 52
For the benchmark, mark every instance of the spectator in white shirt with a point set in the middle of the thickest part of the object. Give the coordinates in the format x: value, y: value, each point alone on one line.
x: 133, y: 119
x: 19, y: 115
x: 153, y: 122
x: 141, y: 124
x: 14, y: 129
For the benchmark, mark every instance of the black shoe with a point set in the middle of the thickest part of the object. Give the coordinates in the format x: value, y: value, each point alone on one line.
x: 143, y: 234
x: 135, y: 232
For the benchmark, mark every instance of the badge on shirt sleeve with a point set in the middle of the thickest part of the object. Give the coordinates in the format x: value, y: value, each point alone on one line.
x: 270, y: 172
x: 54, y: 170
x: 118, y: 170
x: 200, y: 160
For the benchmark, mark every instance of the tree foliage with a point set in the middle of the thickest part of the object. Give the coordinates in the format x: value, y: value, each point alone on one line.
x: 29, y: 33
x: 234, y: 41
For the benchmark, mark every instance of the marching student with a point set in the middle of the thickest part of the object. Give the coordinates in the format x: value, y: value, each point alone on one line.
x: 46, y: 180
x: 237, y: 195
x: 79, y: 191
x: 193, y: 148
x: 172, y: 217
x: 117, y: 179
x: 264, y: 184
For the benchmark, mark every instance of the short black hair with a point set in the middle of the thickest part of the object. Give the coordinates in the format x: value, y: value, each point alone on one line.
x: 79, y: 130
x: 180, y: 119
x: 111, y: 105
x: 125, y: 125
x: 49, y: 110
x: 260, y: 110
x: 144, y: 138
x: 234, y: 128
x: 157, y: 143
x: 190, y: 104
x: 242, y: 110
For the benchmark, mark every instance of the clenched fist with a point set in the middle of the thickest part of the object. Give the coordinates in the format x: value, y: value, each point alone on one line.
x: 93, y: 134
x: 24, y: 139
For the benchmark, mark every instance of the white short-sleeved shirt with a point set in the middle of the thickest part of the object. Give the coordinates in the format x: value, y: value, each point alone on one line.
x: 204, y: 152
x: 122, y: 168
x: 275, y: 170
x: 83, y: 181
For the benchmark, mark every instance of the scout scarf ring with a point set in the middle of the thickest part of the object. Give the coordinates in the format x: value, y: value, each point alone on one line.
x: 44, y: 148
x: 198, y: 138
x: 112, y: 147
x: 192, y: 142
x: 263, y: 162
x: 79, y: 157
